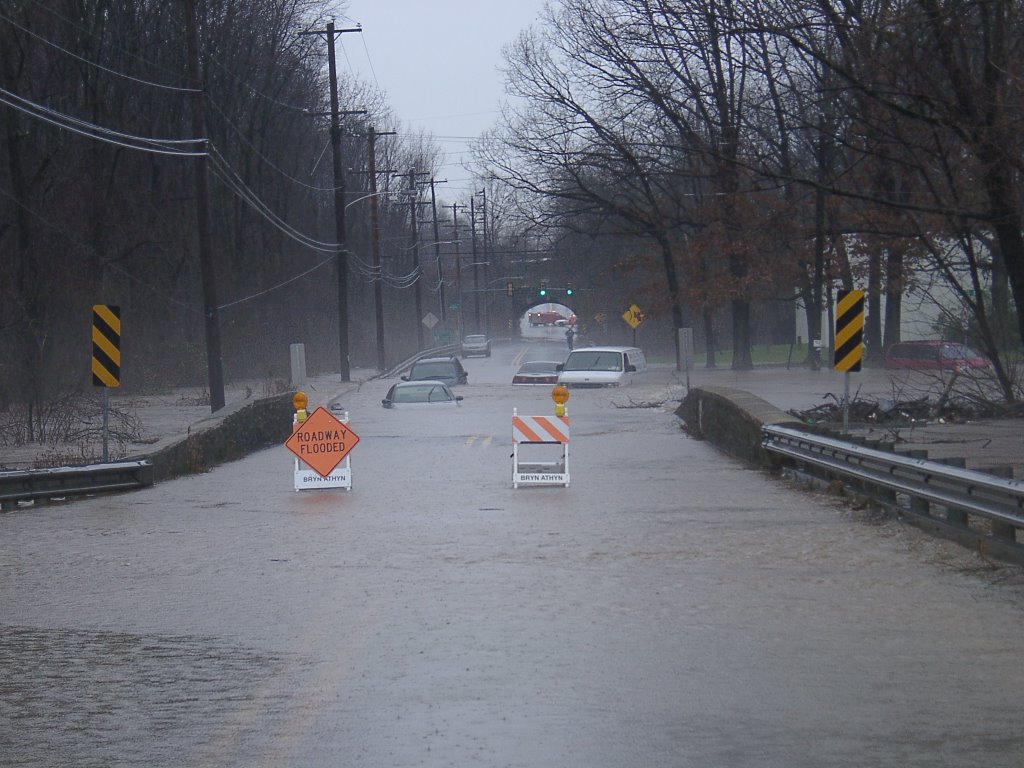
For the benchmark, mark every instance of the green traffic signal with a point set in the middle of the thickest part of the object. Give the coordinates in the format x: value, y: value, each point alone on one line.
x: 543, y: 291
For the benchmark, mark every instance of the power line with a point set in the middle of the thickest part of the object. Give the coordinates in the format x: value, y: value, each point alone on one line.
x: 280, y: 285
x: 84, y: 60
x: 223, y: 170
x: 254, y: 91
x: 106, y: 43
x: 85, y: 247
x: 263, y: 157
x: 93, y: 131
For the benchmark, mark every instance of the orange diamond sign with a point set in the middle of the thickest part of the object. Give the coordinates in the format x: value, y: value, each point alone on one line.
x: 321, y: 441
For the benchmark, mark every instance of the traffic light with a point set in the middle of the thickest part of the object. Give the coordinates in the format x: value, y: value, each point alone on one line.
x: 510, y: 289
x: 543, y: 288
x: 568, y: 290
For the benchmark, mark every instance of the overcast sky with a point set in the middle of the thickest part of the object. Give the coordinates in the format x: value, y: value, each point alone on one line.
x: 437, y: 62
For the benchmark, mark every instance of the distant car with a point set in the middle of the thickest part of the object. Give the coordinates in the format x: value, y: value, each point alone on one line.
x: 476, y: 344
x: 933, y: 356
x: 446, y: 369
x: 537, y: 372
x: 545, y: 318
x: 412, y: 394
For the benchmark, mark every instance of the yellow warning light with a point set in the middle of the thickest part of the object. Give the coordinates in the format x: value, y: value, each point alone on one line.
x: 300, y: 401
x: 560, y: 394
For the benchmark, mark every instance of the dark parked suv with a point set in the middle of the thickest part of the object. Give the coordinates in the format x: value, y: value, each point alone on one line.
x: 446, y: 369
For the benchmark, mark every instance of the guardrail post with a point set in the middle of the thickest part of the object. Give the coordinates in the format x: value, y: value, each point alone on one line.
x: 1000, y: 530
x: 918, y: 505
x: 883, y: 494
x: 955, y: 516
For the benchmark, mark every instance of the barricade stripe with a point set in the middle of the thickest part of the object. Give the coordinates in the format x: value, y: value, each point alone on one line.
x: 522, y: 433
x: 540, y: 429
x: 554, y: 430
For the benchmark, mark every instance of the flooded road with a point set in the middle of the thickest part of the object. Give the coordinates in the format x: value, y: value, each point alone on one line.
x: 669, y: 608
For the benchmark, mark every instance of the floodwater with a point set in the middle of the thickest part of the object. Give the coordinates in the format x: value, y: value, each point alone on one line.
x: 670, y: 608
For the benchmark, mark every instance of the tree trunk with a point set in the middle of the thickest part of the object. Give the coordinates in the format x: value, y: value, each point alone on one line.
x: 672, y: 282
x: 708, y: 318
x: 873, y: 321
x: 893, y: 297
x: 741, y: 359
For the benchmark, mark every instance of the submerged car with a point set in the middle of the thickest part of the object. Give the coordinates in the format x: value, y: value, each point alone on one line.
x: 933, y: 356
x: 446, y: 369
x: 537, y: 372
x: 420, y: 393
x: 476, y: 344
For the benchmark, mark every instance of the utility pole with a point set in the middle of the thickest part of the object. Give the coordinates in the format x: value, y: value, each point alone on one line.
x: 215, y: 373
x: 487, y: 260
x: 476, y: 263
x: 339, y: 197
x: 378, y: 280
x: 437, y: 253
x: 458, y: 268
x: 418, y: 295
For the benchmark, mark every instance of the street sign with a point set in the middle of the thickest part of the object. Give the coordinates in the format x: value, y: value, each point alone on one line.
x: 321, y: 441
x: 106, y: 345
x: 633, y: 316
x: 849, y: 331
x: 430, y: 320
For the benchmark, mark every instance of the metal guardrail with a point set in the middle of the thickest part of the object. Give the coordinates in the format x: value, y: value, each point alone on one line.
x: 443, y: 351
x: 926, y: 485
x: 60, y: 482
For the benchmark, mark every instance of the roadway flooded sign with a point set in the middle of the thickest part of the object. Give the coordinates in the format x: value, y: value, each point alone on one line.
x: 322, y: 442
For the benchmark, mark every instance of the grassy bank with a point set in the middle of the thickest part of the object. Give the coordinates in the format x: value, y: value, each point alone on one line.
x: 761, y: 354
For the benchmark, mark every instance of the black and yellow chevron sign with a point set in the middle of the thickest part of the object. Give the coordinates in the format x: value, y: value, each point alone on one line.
x: 106, y: 345
x: 849, y: 330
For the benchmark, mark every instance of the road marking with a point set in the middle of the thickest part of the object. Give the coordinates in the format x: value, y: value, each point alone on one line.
x: 485, y: 440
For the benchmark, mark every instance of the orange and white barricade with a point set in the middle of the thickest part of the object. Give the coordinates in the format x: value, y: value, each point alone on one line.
x: 547, y: 466
x: 321, y: 443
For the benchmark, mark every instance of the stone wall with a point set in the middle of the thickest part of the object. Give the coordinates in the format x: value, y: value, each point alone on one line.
x: 731, y: 420
x: 232, y: 433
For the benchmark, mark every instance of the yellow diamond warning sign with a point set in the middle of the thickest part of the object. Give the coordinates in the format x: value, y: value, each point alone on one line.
x: 633, y: 316
x: 321, y: 441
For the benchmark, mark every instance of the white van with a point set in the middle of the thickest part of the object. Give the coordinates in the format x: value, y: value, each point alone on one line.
x: 601, y: 367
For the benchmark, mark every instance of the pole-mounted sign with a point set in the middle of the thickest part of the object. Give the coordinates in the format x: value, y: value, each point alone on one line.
x: 849, y: 345
x: 849, y: 342
x: 106, y: 345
